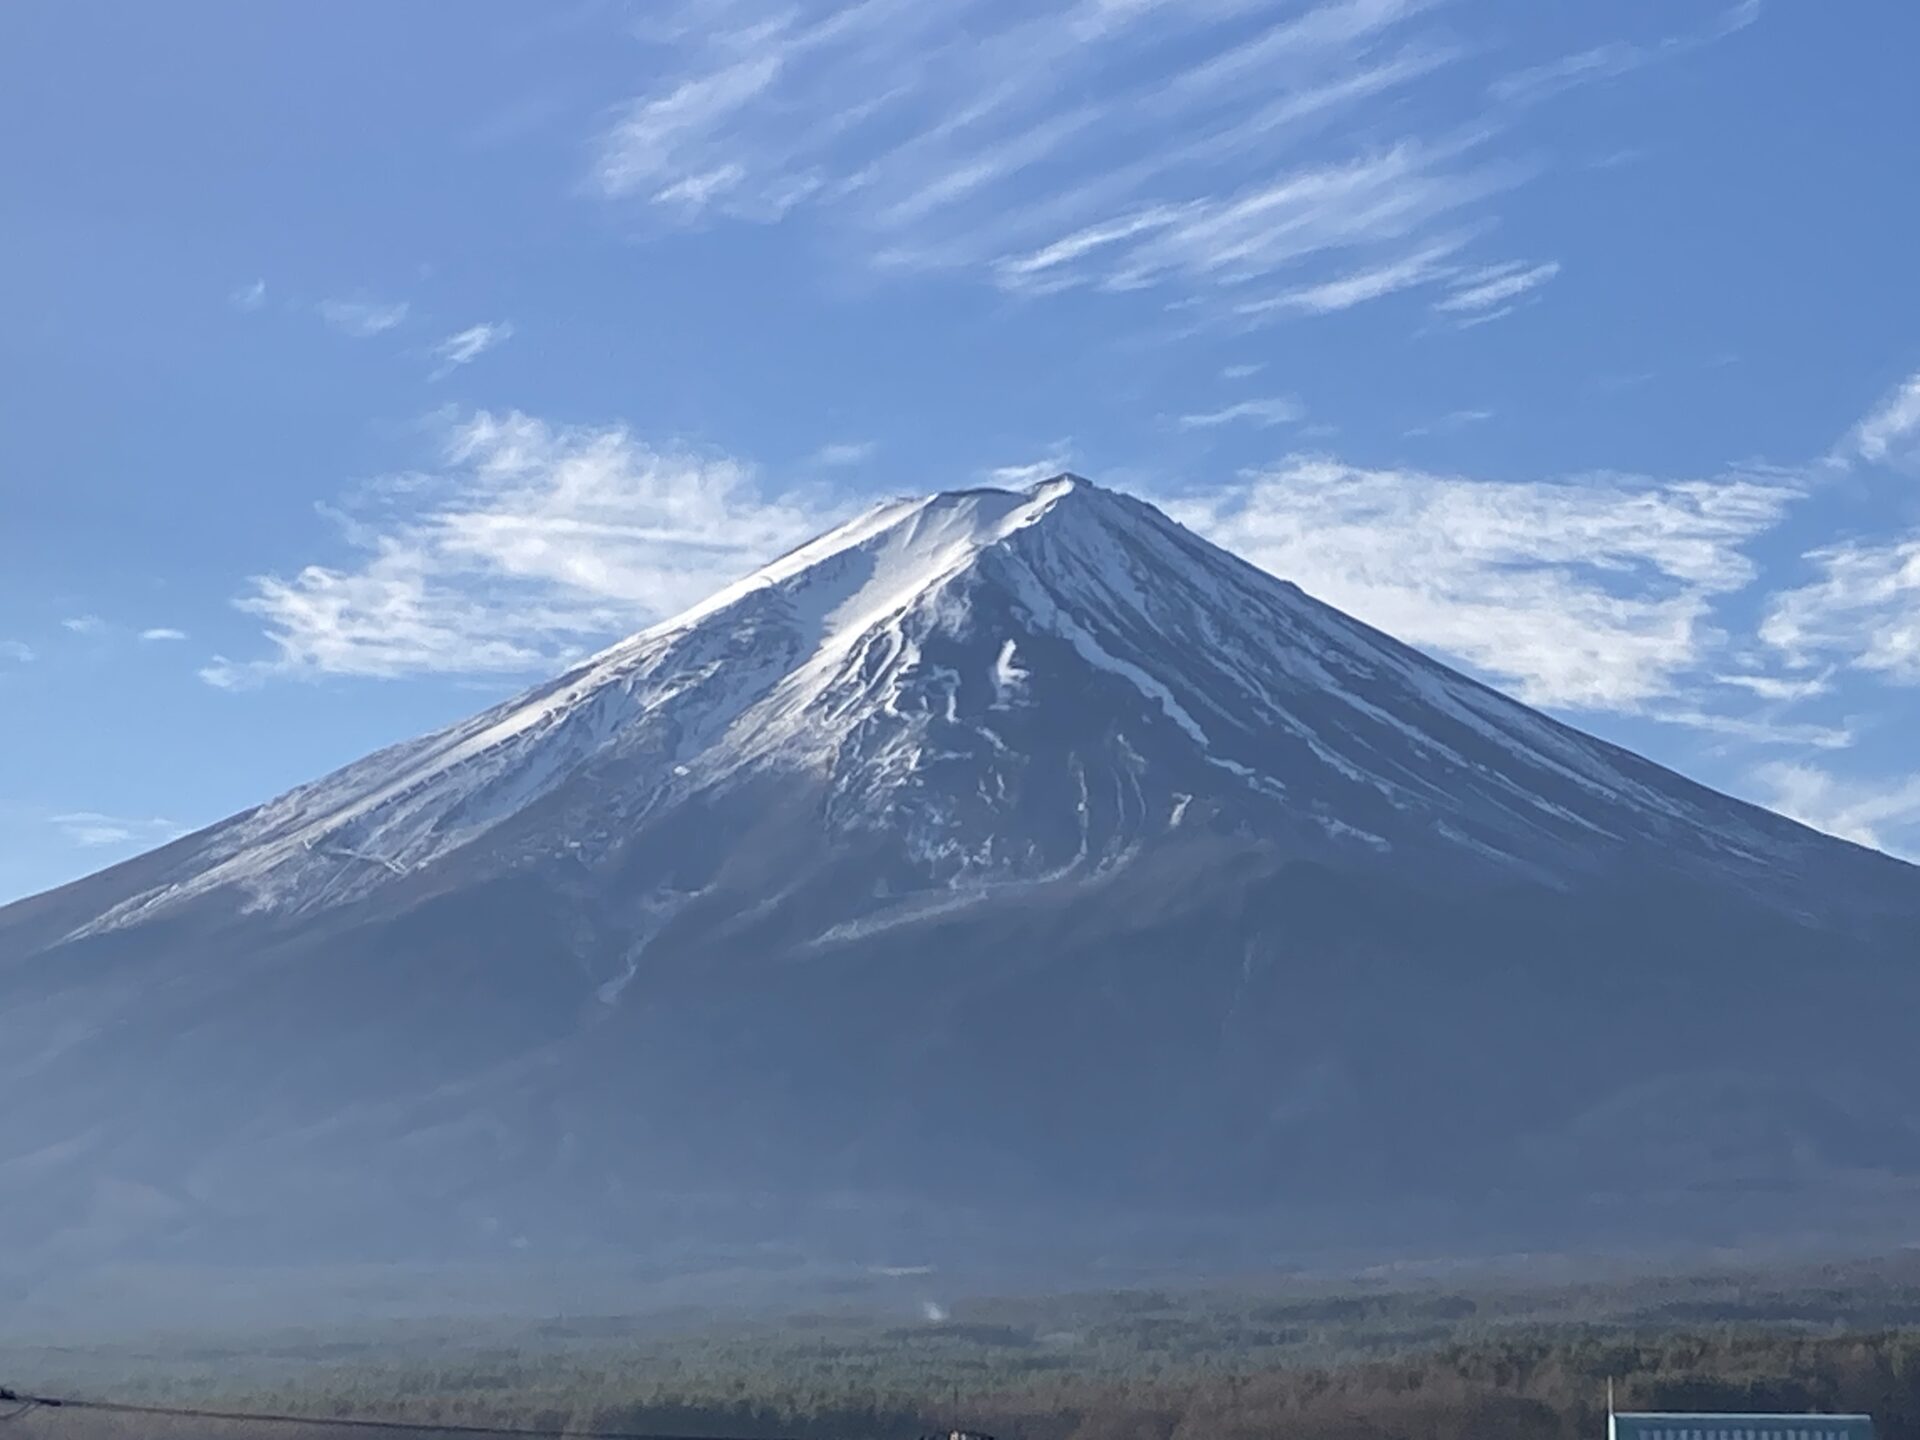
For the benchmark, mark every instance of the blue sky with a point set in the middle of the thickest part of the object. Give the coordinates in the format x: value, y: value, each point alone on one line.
x: 362, y: 362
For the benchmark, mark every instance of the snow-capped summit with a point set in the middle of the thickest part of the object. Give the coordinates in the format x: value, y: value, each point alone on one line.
x: 902, y: 658
x: 1020, y: 830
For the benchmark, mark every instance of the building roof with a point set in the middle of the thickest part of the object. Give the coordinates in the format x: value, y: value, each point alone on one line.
x: 1795, y: 1415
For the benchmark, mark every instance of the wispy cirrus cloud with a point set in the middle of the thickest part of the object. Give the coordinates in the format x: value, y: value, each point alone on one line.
x: 1786, y: 688
x: 845, y: 452
x: 463, y: 347
x: 1596, y: 592
x: 92, y: 829
x: 1868, y: 811
x: 84, y: 624
x: 1279, y: 410
x: 248, y: 297
x: 162, y: 633
x: 1863, y: 610
x: 1357, y: 287
x: 1767, y: 726
x: 1614, y: 58
x: 1315, y: 211
x: 1490, y: 292
x: 1450, y: 423
x: 1120, y: 145
x: 1889, y: 434
x: 1584, y: 67
x: 654, y: 147
x: 17, y: 651
x: 362, y: 319
x: 524, y: 543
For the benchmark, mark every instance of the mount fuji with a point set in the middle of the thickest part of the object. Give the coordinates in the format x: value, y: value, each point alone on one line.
x: 1000, y: 872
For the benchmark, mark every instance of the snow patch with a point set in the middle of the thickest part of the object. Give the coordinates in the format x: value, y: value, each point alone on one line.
x: 1009, y: 680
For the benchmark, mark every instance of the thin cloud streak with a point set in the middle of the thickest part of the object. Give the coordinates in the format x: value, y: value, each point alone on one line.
x: 844, y: 452
x: 465, y: 346
x: 1614, y: 58
x: 1450, y: 423
x: 1779, y: 687
x: 91, y: 829
x: 1760, y: 729
x: 362, y: 319
x: 1280, y: 410
x: 1360, y: 286
x: 1890, y: 433
x: 1481, y: 291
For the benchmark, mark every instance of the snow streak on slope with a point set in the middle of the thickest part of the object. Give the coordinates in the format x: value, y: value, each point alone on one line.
x: 897, y: 654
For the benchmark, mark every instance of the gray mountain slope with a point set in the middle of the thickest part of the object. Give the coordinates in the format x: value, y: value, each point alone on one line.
x: 1001, y: 870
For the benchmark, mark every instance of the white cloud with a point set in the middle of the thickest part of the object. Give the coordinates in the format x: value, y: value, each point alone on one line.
x: 1116, y: 145
x: 1452, y: 421
x: 528, y: 542
x: 1890, y: 434
x: 84, y: 624
x: 988, y: 167
x: 1017, y: 270
x: 1240, y: 372
x: 1357, y: 287
x: 163, y: 632
x: 1031, y: 472
x: 1594, y: 593
x: 1615, y: 58
x: 16, y: 650
x: 1280, y: 410
x: 696, y: 192
x: 1477, y: 293
x: 1780, y: 687
x: 91, y: 829
x: 1108, y: 143
x: 362, y: 319
x: 1539, y: 82
x: 1330, y: 27
x: 845, y: 452
x: 649, y: 146
x: 1762, y: 729
x: 465, y: 346
x: 1863, y: 611
x: 248, y: 297
x: 1868, y: 812
x: 1321, y: 209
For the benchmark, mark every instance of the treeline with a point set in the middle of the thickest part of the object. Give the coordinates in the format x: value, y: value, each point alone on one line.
x: 1514, y: 1388
x: 1359, y: 1361
x: 1542, y: 1386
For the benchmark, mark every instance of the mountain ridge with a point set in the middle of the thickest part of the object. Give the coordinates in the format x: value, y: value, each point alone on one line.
x: 946, y: 538
x: 1019, y: 831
